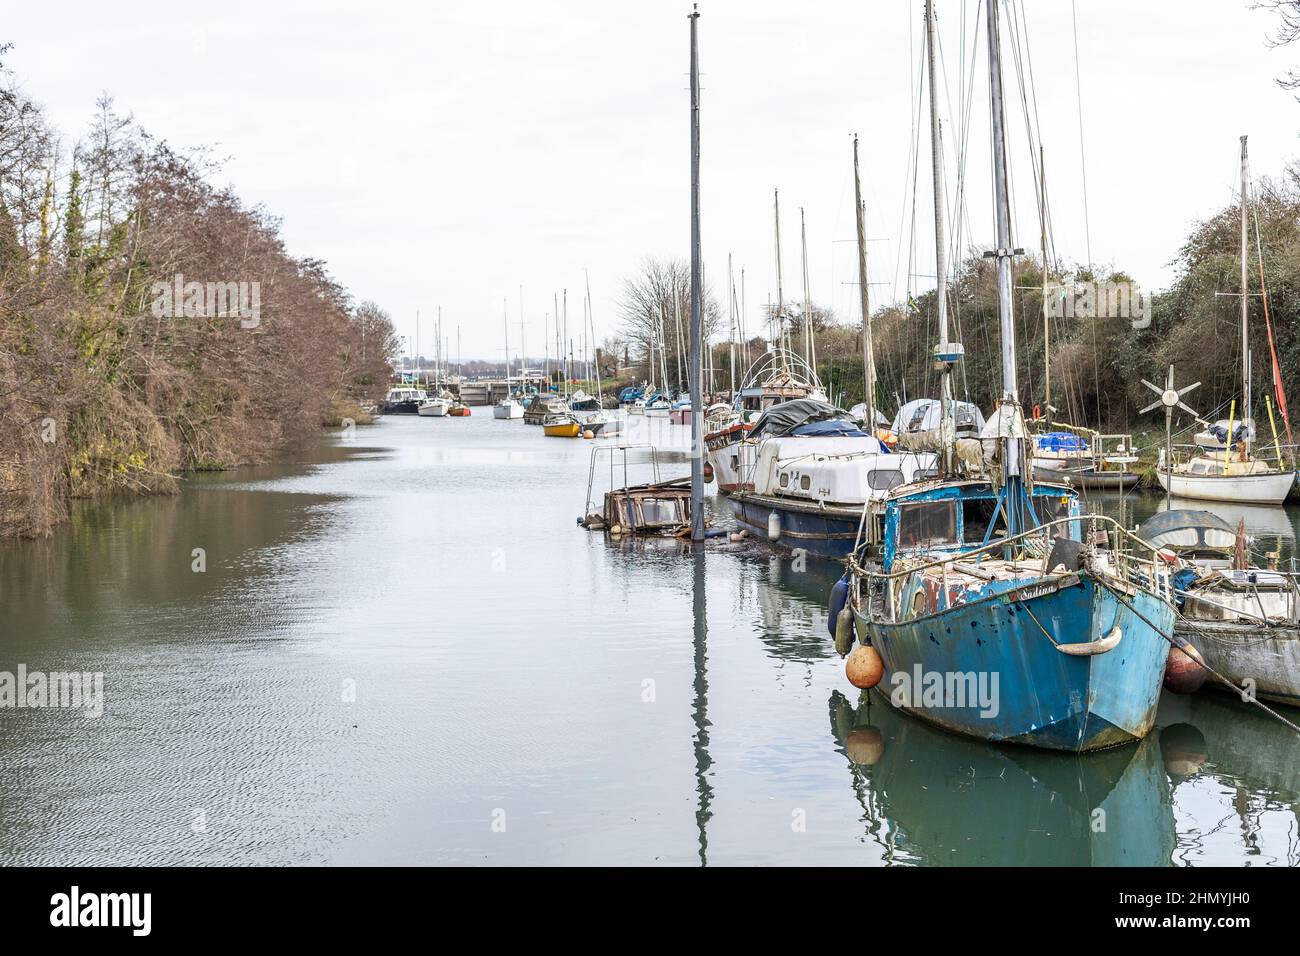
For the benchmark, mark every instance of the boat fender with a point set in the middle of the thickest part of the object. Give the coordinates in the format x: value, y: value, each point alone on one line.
x: 1183, y: 671
x: 863, y: 667
x: 844, y: 632
x: 773, y: 526
x: 708, y: 473
x: 839, y: 597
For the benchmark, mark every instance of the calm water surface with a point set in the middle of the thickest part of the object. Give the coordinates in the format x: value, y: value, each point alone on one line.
x: 403, y: 650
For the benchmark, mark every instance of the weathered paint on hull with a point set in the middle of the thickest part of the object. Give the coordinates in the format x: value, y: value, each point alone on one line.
x: 821, y: 534
x: 1240, y: 652
x: 1046, y: 698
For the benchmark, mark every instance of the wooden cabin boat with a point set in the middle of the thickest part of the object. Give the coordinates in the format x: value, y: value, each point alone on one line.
x: 656, y: 507
x: 543, y: 406
x: 457, y: 410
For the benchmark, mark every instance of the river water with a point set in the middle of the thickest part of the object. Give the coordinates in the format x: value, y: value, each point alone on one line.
x: 399, y: 648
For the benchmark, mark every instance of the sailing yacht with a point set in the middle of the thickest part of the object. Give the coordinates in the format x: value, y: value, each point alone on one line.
x: 985, y: 600
x: 1235, y: 474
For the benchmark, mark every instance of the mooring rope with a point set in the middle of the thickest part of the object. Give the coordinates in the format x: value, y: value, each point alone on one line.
x: 1173, y: 642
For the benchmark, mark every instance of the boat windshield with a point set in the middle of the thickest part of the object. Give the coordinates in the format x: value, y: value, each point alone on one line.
x: 927, y: 524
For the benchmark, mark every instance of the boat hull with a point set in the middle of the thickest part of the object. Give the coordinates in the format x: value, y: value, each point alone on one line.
x: 1045, y: 698
x: 1270, y: 657
x: 825, y: 532
x: 565, y: 430
x: 432, y: 411
x: 1088, y: 478
x: 508, y: 412
x: 1270, y: 488
x: 400, y: 408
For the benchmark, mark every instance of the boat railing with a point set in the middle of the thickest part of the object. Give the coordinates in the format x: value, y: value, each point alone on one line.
x: 624, y: 449
x: 1123, y: 547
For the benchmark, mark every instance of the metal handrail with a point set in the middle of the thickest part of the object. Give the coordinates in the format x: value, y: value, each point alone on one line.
x: 999, y: 545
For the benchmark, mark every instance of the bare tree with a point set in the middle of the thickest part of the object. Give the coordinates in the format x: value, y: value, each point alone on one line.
x: 656, y: 311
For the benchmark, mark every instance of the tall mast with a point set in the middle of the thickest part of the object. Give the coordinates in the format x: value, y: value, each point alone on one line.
x: 1003, y: 254
x: 1245, y: 299
x: 591, y: 320
x: 945, y: 354
x: 780, y: 288
x: 697, y: 283
x: 731, y: 320
x: 505, y: 324
x: 523, y: 361
x: 807, y: 317
x: 1047, y: 328
x: 868, y: 351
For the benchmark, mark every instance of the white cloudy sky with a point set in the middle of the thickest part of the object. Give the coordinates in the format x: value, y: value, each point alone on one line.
x: 447, y: 153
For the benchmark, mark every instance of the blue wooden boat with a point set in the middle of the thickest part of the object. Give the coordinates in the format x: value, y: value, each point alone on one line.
x: 996, y: 642
x: 977, y: 595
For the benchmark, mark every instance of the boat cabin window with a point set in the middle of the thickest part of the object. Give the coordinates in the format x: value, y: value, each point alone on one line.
x: 805, y: 482
x: 927, y: 524
x: 659, y: 511
x: 976, y: 513
x: 785, y: 479
x: 882, y: 479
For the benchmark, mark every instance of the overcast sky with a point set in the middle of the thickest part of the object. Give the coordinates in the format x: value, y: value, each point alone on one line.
x: 446, y: 154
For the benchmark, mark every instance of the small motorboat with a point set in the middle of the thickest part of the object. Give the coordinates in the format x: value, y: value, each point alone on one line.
x: 403, y: 401
x: 508, y: 409
x: 561, y: 426
x: 434, y: 407
x: 458, y: 410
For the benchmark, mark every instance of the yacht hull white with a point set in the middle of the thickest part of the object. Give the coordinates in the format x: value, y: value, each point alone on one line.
x: 508, y: 410
x: 1270, y: 488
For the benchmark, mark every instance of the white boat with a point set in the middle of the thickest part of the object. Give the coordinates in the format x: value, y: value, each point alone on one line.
x: 1208, y: 478
x: 584, y: 407
x: 434, y: 407
x: 659, y: 408
x: 508, y: 409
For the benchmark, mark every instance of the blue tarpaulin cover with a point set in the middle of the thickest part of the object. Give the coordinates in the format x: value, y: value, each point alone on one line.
x: 1061, y: 441
x: 832, y: 426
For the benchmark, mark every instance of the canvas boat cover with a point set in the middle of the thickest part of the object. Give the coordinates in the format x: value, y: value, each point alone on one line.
x: 784, y: 418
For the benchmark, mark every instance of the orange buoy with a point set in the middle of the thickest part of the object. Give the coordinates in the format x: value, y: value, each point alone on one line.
x: 1183, y: 671
x: 865, y: 746
x: 863, y: 667
x: 588, y: 434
